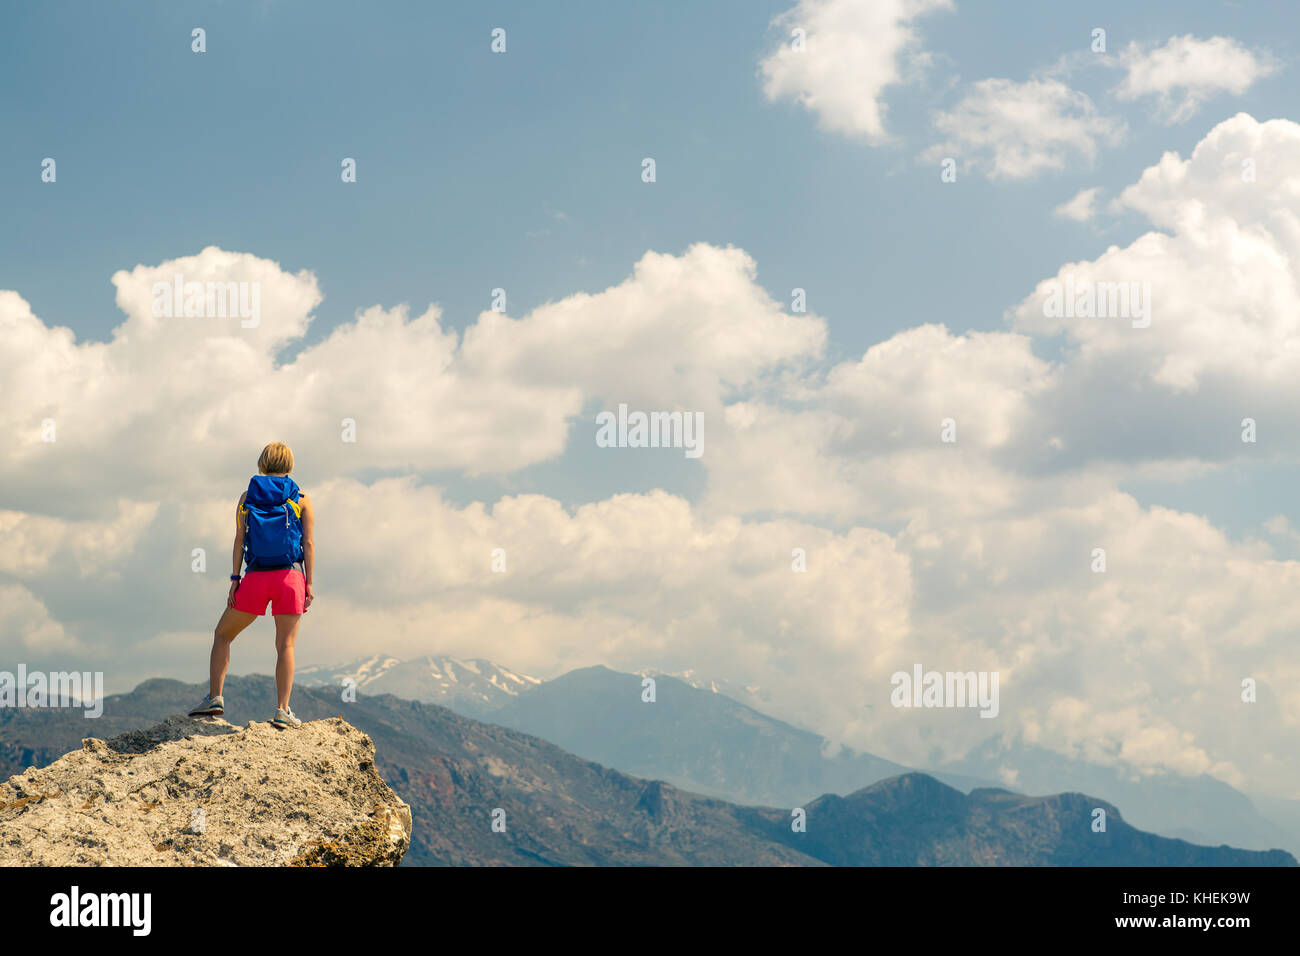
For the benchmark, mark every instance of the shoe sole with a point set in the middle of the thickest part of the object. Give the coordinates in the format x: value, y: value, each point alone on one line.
x: 206, y: 713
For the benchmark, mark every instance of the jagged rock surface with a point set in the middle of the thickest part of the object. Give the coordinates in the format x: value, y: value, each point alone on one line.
x: 207, y: 793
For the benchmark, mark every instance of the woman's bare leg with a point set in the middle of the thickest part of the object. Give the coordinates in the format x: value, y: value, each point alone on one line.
x: 228, y: 628
x: 286, y: 633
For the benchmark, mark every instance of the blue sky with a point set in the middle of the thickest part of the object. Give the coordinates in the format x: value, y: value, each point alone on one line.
x: 523, y: 171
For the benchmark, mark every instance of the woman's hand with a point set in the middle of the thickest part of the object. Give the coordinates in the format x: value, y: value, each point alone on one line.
x: 230, y: 598
x: 307, y: 600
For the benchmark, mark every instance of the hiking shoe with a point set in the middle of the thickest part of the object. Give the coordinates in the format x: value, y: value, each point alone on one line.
x: 210, y: 707
x: 284, y: 719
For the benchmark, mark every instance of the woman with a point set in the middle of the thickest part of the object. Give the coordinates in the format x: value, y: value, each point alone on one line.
x: 274, y: 524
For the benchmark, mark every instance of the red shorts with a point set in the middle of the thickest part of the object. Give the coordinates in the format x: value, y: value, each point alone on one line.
x: 285, y: 590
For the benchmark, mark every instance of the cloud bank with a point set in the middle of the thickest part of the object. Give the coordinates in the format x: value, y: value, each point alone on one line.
x: 973, y: 554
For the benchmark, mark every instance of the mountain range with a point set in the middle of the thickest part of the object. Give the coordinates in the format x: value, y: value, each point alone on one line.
x: 551, y: 807
x: 697, y: 737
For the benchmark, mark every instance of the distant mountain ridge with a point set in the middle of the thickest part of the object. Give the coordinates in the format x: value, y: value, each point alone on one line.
x: 703, y: 738
x: 695, y: 738
x: 559, y: 809
x: 991, y: 827
x: 1200, y: 809
x: 751, y: 695
x: 474, y: 686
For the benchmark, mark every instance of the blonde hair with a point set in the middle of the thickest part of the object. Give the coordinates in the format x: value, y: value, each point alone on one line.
x: 276, y: 459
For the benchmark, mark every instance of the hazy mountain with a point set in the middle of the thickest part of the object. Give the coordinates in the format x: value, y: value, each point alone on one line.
x: 697, y: 737
x: 694, y: 738
x: 1200, y: 809
x: 700, y: 736
x: 752, y: 695
x: 474, y: 687
x: 560, y: 809
x: 941, y: 826
x: 1286, y: 814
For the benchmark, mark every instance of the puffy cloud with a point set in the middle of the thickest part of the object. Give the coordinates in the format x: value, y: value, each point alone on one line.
x: 1021, y: 130
x: 1224, y: 298
x: 853, y: 52
x: 863, y: 441
x: 868, y: 444
x: 1142, y: 663
x: 177, y: 400
x: 681, y: 331
x: 1242, y: 171
x: 1185, y: 72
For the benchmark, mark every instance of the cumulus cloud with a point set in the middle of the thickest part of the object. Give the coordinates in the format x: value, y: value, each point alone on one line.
x: 1020, y: 130
x: 1117, y: 401
x: 977, y: 554
x: 1186, y: 71
x: 1001, y: 524
x: 852, y: 52
x: 170, y: 400
x: 1225, y: 305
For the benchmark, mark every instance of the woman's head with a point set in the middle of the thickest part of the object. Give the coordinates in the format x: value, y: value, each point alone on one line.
x: 276, y: 459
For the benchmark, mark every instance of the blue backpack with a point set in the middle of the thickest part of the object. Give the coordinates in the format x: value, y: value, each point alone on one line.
x: 272, y: 523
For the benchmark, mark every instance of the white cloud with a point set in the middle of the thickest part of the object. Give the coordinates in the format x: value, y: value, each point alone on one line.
x: 1082, y: 208
x: 180, y: 400
x: 1186, y: 72
x: 1021, y: 130
x: 1001, y: 525
x: 1280, y: 527
x: 973, y: 555
x: 854, y: 51
x: 1225, y: 286
x: 1119, y: 402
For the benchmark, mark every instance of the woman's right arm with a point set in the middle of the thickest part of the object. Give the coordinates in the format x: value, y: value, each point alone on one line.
x: 237, y: 557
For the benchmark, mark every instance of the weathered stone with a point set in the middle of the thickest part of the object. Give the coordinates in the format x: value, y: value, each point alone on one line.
x: 192, y: 792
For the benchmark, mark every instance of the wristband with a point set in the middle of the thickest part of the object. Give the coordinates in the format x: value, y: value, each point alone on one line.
x: 234, y: 577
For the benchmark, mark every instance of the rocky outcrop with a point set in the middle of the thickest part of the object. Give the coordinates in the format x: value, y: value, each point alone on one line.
x: 192, y: 792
